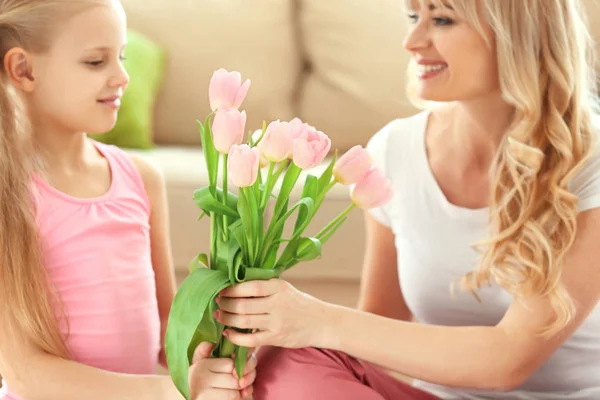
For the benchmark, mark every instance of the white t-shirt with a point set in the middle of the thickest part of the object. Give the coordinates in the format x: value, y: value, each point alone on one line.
x: 433, y: 238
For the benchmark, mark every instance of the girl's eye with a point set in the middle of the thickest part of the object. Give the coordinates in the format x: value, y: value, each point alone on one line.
x: 413, y: 18
x: 122, y: 58
x: 443, y: 21
x: 94, y: 63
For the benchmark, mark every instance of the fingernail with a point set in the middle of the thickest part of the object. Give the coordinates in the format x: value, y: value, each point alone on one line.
x: 226, y: 333
x: 218, y: 300
x: 216, y: 315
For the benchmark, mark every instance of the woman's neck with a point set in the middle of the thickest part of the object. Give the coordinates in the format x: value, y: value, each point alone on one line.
x: 480, y: 125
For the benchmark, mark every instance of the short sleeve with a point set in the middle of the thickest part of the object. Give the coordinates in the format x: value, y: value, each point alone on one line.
x: 377, y: 148
x: 586, y: 184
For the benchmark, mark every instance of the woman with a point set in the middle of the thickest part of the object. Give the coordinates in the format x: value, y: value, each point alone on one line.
x: 507, y: 160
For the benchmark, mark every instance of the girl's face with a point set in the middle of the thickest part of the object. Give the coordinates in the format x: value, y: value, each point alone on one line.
x: 78, y: 83
x: 453, y: 60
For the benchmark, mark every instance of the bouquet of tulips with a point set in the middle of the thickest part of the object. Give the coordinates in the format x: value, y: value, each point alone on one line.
x: 243, y: 245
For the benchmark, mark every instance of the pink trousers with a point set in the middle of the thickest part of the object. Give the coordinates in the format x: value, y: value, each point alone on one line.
x: 315, y: 374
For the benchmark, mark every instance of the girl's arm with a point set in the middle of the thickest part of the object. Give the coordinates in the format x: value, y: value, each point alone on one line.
x: 497, y: 357
x: 35, y: 375
x: 162, y: 259
x: 380, y: 288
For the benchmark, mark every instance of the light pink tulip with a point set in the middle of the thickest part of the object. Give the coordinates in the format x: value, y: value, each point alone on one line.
x: 373, y: 190
x: 311, y: 148
x: 228, y: 129
x: 297, y: 129
x: 277, y: 142
x: 226, y: 90
x: 242, y: 165
x: 255, y: 136
x: 352, y: 166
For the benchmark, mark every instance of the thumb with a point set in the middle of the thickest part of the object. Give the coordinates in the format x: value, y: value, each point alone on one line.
x: 202, y: 351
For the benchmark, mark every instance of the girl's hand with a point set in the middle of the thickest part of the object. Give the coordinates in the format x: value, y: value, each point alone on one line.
x: 284, y: 316
x: 216, y: 379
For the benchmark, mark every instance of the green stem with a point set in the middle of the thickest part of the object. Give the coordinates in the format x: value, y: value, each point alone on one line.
x: 337, y: 219
x: 267, y: 192
x: 322, y: 195
x: 255, y: 274
x: 225, y: 182
x: 213, y: 240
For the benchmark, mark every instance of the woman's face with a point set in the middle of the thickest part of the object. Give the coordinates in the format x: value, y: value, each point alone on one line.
x: 454, y: 62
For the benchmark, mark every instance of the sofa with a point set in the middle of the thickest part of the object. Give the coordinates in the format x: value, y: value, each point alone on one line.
x: 337, y: 64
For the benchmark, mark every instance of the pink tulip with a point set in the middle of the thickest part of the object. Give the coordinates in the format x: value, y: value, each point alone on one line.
x: 352, y: 166
x: 297, y: 129
x: 255, y: 136
x: 372, y: 191
x: 277, y: 142
x: 226, y: 90
x: 242, y: 165
x: 228, y: 129
x: 311, y: 148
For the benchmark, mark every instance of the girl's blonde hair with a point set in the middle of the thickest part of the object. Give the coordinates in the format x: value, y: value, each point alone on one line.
x: 546, y: 68
x: 26, y: 296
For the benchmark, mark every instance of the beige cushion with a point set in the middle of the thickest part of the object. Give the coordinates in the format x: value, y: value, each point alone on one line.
x: 357, y: 80
x: 254, y: 37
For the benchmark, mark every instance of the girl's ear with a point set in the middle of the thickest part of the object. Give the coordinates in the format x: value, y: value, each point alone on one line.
x: 18, y: 65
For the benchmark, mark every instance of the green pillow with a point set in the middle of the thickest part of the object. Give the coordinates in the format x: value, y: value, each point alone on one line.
x: 145, y: 65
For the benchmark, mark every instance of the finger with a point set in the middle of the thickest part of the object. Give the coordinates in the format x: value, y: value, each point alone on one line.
x: 248, y: 339
x: 244, y: 306
x: 222, y: 381
x: 242, y: 321
x: 247, y: 380
x: 202, y: 351
x: 250, y: 365
x: 220, y: 394
x: 247, y: 392
x: 221, y: 365
x: 255, y: 289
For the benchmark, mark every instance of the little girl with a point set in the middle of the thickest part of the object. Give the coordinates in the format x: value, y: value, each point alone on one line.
x: 86, y: 280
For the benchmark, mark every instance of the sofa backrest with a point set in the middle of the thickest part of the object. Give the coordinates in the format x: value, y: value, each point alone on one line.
x: 337, y: 64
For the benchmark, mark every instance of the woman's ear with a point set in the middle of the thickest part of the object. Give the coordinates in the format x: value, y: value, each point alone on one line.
x: 18, y: 65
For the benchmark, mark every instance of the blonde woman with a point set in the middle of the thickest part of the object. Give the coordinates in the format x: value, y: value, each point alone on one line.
x: 506, y: 160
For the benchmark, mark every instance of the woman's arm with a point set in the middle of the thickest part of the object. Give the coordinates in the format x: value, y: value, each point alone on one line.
x: 162, y: 259
x: 497, y: 357
x: 380, y: 288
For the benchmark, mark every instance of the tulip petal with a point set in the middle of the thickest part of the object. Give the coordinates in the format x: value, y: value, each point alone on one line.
x: 241, y: 94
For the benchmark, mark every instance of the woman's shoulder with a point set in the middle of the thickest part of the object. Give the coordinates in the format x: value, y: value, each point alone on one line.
x: 586, y: 183
x: 396, y: 135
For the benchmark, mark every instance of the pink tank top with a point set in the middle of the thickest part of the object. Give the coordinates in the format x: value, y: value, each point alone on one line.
x: 97, y: 253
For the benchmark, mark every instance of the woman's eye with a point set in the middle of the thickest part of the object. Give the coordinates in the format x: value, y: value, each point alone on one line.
x: 443, y: 21
x: 94, y: 63
x: 413, y: 18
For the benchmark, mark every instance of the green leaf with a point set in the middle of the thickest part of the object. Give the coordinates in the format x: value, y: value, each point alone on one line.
x: 238, y: 231
x: 226, y: 253
x: 325, y: 178
x: 200, y: 261
x: 248, y: 218
x: 207, y: 330
x: 205, y: 199
x: 289, y: 180
x: 301, y: 249
x: 241, y: 357
x: 276, y: 229
x: 190, y: 303
x: 310, y: 190
x: 211, y: 156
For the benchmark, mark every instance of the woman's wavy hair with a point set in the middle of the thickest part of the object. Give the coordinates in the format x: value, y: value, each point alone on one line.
x: 546, y: 65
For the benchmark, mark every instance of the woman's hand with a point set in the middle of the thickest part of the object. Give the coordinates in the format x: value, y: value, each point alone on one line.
x: 283, y: 315
x: 216, y: 379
